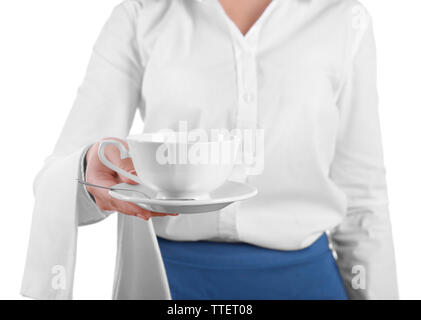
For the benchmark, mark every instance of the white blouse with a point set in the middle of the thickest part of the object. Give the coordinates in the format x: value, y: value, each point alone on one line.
x: 305, y: 74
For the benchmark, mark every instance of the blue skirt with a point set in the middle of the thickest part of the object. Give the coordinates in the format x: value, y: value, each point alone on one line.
x: 202, y: 270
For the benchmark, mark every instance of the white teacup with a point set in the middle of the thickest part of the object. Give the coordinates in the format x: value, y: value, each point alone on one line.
x: 175, y: 167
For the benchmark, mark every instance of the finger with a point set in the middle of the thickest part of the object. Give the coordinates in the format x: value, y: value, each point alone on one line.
x: 101, y: 196
x: 159, y: 214
x: 114, y: 156
x: 101, y: 178
x: 124, y: 164
x: 130, y: 209
x: 125, y: 179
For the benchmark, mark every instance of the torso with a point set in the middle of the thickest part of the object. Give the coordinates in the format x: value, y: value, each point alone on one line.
x: 283, y: 77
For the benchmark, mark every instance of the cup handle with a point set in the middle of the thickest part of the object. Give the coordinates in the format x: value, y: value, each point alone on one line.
x: 124, y: 154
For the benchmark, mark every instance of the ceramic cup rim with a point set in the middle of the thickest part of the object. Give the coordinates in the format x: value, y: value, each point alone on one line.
x: 154, y: 138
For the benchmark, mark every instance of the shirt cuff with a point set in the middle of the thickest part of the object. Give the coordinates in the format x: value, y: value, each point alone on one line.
x: 88, y: 211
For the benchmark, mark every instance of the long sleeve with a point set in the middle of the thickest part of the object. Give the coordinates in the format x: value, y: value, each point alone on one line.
x: 105, y: 106
x: 363, y: 241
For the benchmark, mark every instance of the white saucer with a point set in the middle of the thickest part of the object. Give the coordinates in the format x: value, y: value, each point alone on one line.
x: 142, y: 196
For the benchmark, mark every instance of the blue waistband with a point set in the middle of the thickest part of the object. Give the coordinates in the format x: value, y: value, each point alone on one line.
x: 216, y: 255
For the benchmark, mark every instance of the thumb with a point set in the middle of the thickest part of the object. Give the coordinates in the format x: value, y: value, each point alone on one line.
x: 114, y: 156
x: 127, y: 165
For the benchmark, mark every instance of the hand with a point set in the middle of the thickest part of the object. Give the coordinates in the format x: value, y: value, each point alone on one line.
x: 98, y: 173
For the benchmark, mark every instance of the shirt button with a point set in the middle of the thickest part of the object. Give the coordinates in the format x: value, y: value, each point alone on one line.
x: 248, y: 97
x: 249, y: 56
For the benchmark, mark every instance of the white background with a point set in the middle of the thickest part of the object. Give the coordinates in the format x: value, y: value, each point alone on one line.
x: 44, y: 49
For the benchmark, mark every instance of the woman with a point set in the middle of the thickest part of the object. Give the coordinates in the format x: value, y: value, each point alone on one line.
x: 301, y: 71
